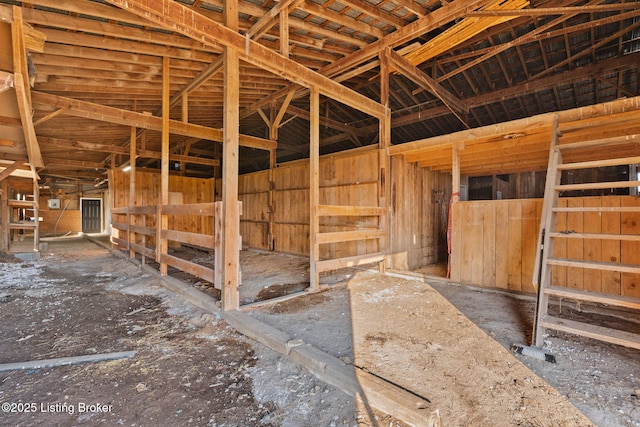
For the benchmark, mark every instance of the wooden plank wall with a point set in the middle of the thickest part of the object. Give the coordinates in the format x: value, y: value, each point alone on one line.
x: 60, y: 221
x: 494, y: 244
x: 419, y: 212
x: 193, y: 190
x: 348, y: 178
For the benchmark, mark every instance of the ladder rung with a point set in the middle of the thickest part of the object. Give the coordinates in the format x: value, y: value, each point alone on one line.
x: 595, y: 265
x: 600, y: 163
x: 597, y: 185
x: 601, y: 333
x: 581, y: 124
x: 599, y: 209
x: 597, y: 297
x: 602, y: 142
x: 599, y: 236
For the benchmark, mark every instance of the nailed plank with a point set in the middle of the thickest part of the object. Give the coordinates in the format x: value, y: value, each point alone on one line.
x: 353, y: 261
x: 206, y: 209
x: 346, y: 236
x: 188, y: 267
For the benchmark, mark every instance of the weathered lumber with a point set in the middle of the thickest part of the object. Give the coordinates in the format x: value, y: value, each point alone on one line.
x: 64, y: 361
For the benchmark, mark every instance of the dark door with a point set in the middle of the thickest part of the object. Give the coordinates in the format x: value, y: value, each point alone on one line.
x: 91, y: 216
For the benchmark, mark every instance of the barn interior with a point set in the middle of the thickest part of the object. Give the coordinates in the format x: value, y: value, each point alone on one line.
x: 354, y: 156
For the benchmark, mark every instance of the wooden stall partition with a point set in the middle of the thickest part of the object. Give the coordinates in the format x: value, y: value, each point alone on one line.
x: 419, y: 215
x: 139, y: 219
x: 253, y: 192
x: 291, y: 208
x: 494, y: 244
x: 346, y: 179
x: 350, y: 180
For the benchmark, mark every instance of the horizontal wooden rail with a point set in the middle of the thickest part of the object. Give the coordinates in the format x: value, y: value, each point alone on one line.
x: 597, y: 185
x: 120, y: 242
x: 143, y: 210
x: 22, y: 225
x: 346, y: 236
x: 598, y: 236
x: 599, y: 209
x: 202, y: 240
x: 120, y: 211
x: 188, y: 267
x: 337, y: 210
x: 119, y: 225
x: 352, y: 261
x: 139, y: 229
x: 143, y: 250
x: 28, y: 204
x: 205, y: 209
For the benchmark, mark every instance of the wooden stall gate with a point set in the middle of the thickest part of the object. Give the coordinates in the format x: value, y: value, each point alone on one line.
x: 575, y: 145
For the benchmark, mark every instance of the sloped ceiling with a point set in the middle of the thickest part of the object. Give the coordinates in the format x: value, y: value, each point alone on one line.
x: 465, y: 64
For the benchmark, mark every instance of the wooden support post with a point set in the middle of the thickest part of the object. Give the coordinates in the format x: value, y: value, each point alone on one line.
x: 230, y: 156
x: 162, y: 220
x: 4, y: 215
x: 284, y: 33
x: 314, y: 189
x: 384, y: 163
x: 273, y: 135
x: 36, y: 219
x: 455, y: 173
x: 132, y: 186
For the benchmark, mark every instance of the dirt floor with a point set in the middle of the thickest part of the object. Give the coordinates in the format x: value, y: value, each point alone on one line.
x: 191, y: 368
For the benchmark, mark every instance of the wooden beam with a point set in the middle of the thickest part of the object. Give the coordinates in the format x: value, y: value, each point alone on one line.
x: 106, y: 148
x: 283, y: 109
x: 267, y: 20
x: 230, y: 163
x: 103, y: 113
x: 65, y: 361
x: 457, y: 106
x: 33, y: 149
x: 6, y: 81
x: 132, y: 185
x: 384, y: 161
x: 5, y: 232
x: 49, y: 116
x: 180, y: 18
x: 284, y: 34
x: 406, y: 33
x: 162, y: 221
x: 23, y: 93
x: 314, y: 189
x: 9, y: 169
x: 543, y: 11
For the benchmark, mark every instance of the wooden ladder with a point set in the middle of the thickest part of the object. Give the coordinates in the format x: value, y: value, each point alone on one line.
x: 609, y: 153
